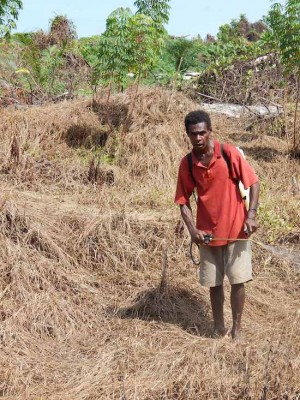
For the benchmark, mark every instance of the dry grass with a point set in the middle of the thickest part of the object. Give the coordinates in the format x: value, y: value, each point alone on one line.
x: 84, y: 311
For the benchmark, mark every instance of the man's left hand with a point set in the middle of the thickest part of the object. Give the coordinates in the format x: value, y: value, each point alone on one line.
x: 251, y: 225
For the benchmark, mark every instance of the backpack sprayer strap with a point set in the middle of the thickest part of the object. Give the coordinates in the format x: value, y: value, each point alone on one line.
x: 190, y: 164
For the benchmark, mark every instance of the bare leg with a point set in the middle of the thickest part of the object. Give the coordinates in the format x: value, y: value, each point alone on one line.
x: 237, y: 305
x: 217, y: 303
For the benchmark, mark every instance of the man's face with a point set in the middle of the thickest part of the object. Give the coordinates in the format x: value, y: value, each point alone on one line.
x: 199, y: 136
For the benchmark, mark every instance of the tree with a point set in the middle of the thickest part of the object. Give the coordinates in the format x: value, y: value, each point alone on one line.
x: 49, y: 62
x: 158, y: 10
x: 62, y: 31
x: 284, y: 37
x: 88, y: 47
x: 9, y: 11
x: 236, y: 41
x: 132, y: 42
x: 114, y: 52
x: 284, y: 22
x: 241, y: 29
x: 147, y: 43
x: 184, y: 52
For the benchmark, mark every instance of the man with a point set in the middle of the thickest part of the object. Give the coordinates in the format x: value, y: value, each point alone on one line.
x: 221, y: 212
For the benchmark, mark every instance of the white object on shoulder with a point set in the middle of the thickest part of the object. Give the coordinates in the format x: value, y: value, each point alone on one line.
x: 245, y: 193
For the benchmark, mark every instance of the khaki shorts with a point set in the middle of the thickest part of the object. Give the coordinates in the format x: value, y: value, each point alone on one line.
x: 233, y: 260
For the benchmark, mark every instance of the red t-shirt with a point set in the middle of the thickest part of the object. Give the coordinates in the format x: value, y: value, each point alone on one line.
x: 221, y: 210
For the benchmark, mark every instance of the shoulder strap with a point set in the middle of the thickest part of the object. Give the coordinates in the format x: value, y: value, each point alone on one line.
x: 226, y: 159
x: 224, y: 155
x: 190, y: 164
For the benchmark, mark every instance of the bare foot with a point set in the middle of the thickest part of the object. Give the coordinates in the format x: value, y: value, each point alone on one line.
x: 219, y: 333
x: 236, y: 335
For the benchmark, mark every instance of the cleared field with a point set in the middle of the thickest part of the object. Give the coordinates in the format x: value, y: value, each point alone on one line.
x: 99, y: 299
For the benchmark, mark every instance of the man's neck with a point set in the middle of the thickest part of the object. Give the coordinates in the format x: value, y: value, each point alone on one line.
x: 205, y: 153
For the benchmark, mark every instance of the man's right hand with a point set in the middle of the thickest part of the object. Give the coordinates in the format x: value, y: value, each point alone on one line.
x: 197, y: 236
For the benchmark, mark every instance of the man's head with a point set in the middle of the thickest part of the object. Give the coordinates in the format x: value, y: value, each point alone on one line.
x: 195, y: 117
x: 198, y: 129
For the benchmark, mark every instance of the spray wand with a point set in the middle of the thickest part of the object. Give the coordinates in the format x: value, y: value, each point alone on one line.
x: 209, y: 238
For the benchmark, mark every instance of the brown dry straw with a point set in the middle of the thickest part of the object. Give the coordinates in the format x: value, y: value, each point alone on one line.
x: 83, y: 313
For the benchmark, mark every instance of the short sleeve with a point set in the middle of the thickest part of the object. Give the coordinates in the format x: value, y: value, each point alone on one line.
x: 240, y: 169
x: 185, y: 184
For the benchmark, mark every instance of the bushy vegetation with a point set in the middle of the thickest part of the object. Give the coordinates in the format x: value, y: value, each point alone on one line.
x: 246, y: 63
x: 9, y: 11
x: 135, y: 44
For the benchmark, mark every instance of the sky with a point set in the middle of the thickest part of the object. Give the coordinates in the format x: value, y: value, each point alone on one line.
x: 187, y: 17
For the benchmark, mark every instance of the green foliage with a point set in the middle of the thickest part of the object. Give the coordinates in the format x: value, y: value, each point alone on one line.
x: 52, y: 60
x: 9, y: 11
x: 8, y: 65
x: 274, y: 219
x: 284, y: 37
x: 114, y: 54
x: 131, y: 43
x: 217, y: 56
x: 236, y: 41
x: 157, y: 10
x: 30, y: 56
x: 274, y: 224
x: 187, y: 50
x: 62, y: 31
x: 88, y: 48
x: 49, y: 59
x: 147, y: 42
x: 284, y: 34
x: 42, y: 67
x: 241, y: 29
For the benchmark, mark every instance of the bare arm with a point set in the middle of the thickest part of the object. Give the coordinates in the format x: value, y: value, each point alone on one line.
x: 251, y: 222
x: 197, y: 236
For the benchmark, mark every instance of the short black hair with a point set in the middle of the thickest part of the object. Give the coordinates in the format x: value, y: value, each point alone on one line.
x: 195, y: 117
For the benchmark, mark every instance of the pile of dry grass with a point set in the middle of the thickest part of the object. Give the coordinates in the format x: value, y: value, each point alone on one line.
x: 99, y: 299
